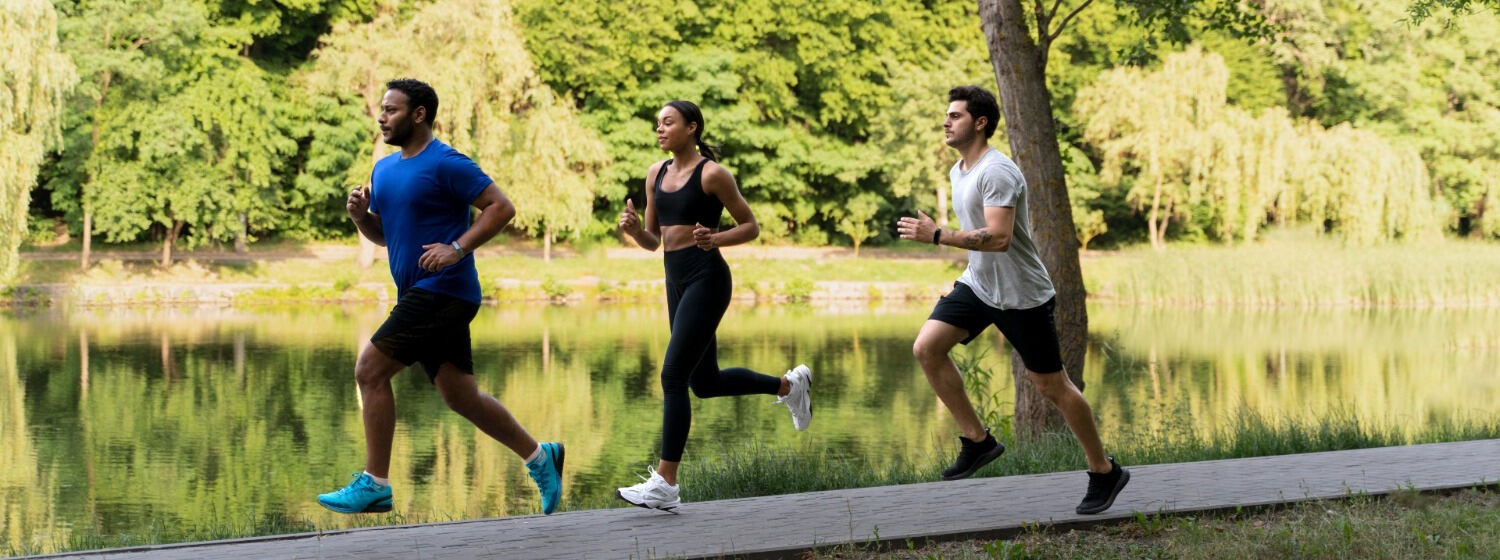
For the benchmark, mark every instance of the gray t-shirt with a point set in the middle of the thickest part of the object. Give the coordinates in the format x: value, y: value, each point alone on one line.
x: 1014, y: 279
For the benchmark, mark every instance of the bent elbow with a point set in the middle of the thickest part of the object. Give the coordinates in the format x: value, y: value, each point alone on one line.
x: 754, y: 230
x: 507, y: 211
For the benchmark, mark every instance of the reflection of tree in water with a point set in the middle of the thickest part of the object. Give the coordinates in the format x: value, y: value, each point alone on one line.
x: 261, y: 412
x: 1392, y: 369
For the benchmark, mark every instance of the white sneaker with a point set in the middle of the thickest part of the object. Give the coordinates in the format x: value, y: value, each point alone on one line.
x: 654, y: 493
x: 799, y: 399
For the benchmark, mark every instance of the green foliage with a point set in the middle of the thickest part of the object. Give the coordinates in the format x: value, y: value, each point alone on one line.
x: 493, y: 107
x: 242, y: 119
x: 1421, y: 10
x: 1217, y: 170
x: 989, y: 404
x: 34, y: 78
x: 1355, y: 62
x: 793, y: 93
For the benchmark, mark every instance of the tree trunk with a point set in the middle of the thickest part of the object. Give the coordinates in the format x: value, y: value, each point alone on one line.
x: 88, y: 236
x: 88, y: 211
x: 242, y: 237
x: 166, y: 245
x: 83, y: 364
x: 1151, y: 223
x: 1020, y: 70
x: 942, y: 206
x: 547, y: 244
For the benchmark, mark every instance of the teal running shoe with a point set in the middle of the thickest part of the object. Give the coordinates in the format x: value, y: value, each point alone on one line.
x: 546, y: 470
x: 364, y: 495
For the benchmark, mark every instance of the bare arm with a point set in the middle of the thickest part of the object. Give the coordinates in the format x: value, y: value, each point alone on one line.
x: 495, y: 211
x: 368, y: 223
x: 648, y: 236
x: 999, y: 224
x: 717, y: 181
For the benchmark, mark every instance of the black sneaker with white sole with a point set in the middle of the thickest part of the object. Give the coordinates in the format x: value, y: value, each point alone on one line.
x: 973, y: 456
x: 1103, y: 488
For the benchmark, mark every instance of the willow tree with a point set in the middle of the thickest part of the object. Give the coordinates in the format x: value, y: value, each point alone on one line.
x: 34, y: 80
x: 359, y: 58
x: 909, y: 129
x: 1150, y: 125
x: 1353, y: 62
x: 553, y: 168
x: 1169, y: 135
x: 492, y: 105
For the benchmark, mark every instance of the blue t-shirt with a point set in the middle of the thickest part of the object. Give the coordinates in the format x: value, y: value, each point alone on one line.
x: 425, y: 199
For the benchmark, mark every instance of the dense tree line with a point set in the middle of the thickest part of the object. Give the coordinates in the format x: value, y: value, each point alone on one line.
x: 220, y: 122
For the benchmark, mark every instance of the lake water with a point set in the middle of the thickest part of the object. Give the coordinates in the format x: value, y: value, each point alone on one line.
x: 114, y: 419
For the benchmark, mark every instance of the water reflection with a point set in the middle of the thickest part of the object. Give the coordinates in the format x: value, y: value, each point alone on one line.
x: 112, y: 419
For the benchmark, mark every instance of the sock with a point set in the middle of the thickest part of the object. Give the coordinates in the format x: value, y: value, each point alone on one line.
x: 534, y: 456
x: 378, y: 480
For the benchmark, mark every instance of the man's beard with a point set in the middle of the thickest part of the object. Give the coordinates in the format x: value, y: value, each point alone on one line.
x: 399, y: 135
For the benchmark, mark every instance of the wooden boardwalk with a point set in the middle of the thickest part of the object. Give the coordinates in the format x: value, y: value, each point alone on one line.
x: 783, y: 526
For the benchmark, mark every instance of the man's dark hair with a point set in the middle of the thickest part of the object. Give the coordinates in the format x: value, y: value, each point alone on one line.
x: 981, y: 103
x: 418, y: 94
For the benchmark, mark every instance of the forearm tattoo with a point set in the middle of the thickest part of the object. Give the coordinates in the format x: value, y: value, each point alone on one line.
x: 975, y: 239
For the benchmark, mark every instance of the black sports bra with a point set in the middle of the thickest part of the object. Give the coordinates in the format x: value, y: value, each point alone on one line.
x: 688, y: 205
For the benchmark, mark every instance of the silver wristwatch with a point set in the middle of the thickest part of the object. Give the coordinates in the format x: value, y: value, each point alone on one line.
x: 459, y: 248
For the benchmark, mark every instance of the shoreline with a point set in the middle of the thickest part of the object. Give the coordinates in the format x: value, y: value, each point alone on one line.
x: 509, y: 290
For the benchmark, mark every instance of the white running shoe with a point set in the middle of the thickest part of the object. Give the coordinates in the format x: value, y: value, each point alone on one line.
x: 654, y: 493
x: 799, y: 399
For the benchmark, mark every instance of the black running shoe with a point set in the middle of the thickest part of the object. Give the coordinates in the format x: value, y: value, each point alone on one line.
x: 973, y: 456
x: 1103, y: 488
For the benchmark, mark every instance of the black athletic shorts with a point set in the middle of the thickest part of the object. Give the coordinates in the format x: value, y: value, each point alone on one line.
x: 430, y: 328
x: 1030, y: 331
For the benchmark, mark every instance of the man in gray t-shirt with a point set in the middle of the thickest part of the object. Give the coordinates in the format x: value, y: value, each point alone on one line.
x: 1005, y: 285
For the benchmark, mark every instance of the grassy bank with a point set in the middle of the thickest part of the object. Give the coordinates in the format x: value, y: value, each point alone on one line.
x: 506, y: 277
x: 1404, y: 526
x: 1301, y: 270
x: 1286, y: 269
x: 744, y: 472
x: 737, y: 471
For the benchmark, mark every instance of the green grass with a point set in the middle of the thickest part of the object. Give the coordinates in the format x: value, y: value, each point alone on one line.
x: 507, y: 277
x: 1402, y: 526
x: 738, y: 472
x: 1301, y: 270
x: 1287, y: 268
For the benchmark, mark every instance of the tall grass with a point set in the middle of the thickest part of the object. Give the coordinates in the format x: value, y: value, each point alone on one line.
x: 1292, y: 269
x: 749, y: 470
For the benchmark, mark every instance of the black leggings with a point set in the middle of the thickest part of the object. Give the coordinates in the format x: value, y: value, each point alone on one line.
x: 698, y: 291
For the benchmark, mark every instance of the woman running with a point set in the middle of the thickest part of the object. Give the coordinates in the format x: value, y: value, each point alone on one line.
x: 685, y: 196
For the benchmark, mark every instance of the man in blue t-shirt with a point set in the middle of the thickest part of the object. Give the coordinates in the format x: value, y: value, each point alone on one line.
x: 418, y: 208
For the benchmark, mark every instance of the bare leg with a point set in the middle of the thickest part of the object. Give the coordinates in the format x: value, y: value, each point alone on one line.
x: 668, y: 471
x: 931, y: 349
x: 462, y: 395
x: 1076, y: 412
x: 373, y: 373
